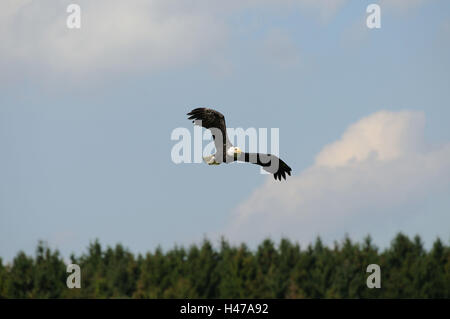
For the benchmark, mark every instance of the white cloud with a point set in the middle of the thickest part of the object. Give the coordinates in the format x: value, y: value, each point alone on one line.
x: 123, y: 35
x: 114, y: 35
x: 360, y: 184
x: 383, y: 135
x: 140, y: 35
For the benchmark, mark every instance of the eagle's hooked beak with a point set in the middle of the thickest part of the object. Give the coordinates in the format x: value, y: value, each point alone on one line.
x: 238, y: 151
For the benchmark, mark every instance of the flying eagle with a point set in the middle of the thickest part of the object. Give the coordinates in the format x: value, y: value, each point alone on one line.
x: 226, y: 152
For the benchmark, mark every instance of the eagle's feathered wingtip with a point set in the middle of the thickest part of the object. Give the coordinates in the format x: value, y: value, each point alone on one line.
x: 196, y: 111
x: 281, y: 173
x: 196, y: 114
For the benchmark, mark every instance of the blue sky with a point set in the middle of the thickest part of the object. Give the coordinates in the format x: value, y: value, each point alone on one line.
x: 86, y: 117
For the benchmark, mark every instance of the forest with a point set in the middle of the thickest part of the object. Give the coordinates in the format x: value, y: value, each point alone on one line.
x: 272, y: 270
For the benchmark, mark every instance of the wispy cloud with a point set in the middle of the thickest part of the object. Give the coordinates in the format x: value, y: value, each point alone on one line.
x: 123, y: 36
x: 114, y: 35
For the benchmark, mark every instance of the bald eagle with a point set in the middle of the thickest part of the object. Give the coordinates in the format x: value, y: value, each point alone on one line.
x: 226, y: 152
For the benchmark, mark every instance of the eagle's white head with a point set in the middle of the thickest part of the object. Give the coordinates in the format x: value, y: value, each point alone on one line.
x: 234, y: 151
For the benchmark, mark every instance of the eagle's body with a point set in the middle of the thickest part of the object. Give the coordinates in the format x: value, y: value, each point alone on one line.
x: 226, y: 152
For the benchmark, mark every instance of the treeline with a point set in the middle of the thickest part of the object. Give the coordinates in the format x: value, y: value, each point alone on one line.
x: 282, y: 270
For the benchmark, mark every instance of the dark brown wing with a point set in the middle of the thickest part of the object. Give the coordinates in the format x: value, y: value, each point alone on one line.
x: 215, y: 122
x: 270, y: 163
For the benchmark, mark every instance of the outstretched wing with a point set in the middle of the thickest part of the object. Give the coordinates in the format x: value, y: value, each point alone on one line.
x: 215, y: 122
x: 270, y: 163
